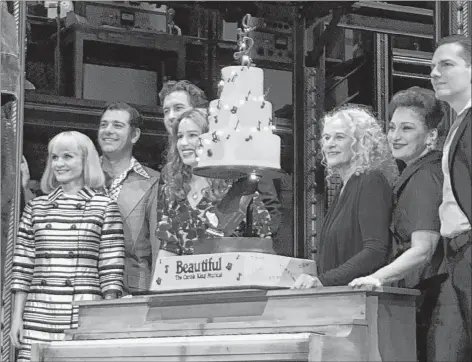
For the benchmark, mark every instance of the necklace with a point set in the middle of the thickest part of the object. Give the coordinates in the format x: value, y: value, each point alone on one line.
x: 198, y: 188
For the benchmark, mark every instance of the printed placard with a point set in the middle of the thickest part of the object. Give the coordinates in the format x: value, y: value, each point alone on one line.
x: 228, y: 270
x: 191, y: 271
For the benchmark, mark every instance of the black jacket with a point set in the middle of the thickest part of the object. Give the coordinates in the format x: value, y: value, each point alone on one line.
x: 460, y: 165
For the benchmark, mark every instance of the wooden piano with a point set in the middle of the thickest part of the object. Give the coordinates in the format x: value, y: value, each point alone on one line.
x: 327, y: 324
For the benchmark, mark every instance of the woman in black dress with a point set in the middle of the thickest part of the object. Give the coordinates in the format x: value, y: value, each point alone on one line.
x: 354, y: 239
x: 415, y: 256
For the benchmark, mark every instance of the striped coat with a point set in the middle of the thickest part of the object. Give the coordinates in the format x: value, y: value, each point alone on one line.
x: 69, y: 248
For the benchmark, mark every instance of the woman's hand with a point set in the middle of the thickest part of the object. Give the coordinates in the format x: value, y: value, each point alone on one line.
x: 111, y: 295
x: 25, y: 173
x: 369, y: 280
x: 16, y: 332
x: 305, y: 281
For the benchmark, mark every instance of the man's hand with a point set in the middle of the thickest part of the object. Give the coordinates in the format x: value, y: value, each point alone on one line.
x: 305, y: 281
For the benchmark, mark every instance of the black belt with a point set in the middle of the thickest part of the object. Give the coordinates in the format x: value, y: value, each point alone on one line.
x: 457, y: 242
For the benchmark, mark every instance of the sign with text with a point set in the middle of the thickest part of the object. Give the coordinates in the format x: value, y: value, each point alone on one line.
x: 228, y: 270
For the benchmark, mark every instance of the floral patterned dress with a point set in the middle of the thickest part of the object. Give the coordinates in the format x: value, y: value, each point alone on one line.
x: 180, y: 225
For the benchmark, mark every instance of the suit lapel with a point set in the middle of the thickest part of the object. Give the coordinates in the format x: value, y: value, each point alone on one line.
x: 457, y: 137
x: 133, y: 190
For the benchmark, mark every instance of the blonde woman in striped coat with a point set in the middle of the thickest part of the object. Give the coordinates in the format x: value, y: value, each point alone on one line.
x: 69, y: 248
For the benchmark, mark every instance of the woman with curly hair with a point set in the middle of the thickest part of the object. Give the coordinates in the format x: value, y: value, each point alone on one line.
x: 193, y: 207
x: 354, y: 239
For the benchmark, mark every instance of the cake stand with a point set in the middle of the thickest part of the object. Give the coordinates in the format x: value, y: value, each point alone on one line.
x: 234, y: 245
x: 249, y: 242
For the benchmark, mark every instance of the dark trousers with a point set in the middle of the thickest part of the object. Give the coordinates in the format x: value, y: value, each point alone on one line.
x: 450, y: 335
x: 426, y: 305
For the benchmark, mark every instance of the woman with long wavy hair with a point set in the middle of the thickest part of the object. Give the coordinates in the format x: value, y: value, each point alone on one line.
x: 190, y: 206
x: 354, y: 239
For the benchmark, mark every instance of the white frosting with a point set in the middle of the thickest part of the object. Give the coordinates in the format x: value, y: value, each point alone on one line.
x: 240, y: 123
x: 250, y: 114
x: 240, y: 80
x: 240, y: 149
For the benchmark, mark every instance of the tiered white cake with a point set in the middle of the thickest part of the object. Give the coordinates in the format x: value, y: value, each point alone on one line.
x: 240, y: 123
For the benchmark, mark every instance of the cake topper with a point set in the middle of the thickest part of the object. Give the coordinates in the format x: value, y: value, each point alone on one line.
x: 245, y: 42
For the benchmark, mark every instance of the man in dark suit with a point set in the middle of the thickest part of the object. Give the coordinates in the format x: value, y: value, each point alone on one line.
x: 135, y: 188
x: 451, y: 330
